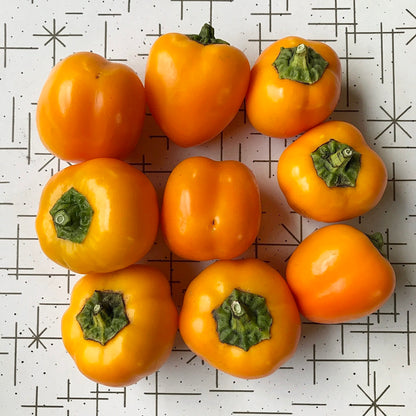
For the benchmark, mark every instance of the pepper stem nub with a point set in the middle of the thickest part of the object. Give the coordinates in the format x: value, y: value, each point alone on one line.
x: 103, y: 316
x: 341, y: 157
x: 72, y: 215
x: 236, y: 308
x: 206, y: 36
x: 243, y: 319
x: 337, y: 164
x: 300, y: 63
x: 61, y: 218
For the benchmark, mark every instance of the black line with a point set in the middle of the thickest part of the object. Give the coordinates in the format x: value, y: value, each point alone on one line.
x: 17, y: 250
x: 172, y: 393
x: 381, y: 53
x: 105, y: 38
x: 347, y: 68
x: 330, y: 8
x: 399, y: 147
x: 408, y: 336
x: 354, y: 13
x: 13, y: 117
x: 15, y: 355
x: 4, y: 45
x: 393, y: 70
x: 336, y: 17
x: 10, y: 293
x: 231, y: 391
x: 260, y: 413
x: 156, y: 393
x: 314, y: 364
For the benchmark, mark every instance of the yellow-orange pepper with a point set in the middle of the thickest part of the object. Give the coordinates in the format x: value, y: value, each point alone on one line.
x: 211, y: 209
x: 240, y: 316
x: 330, y: 173
x: 120, y: 326
x: 195, y: 85
x: 97, y: 216
x: 90, y: 107
x: 338, y: 274
x: 295, y: 84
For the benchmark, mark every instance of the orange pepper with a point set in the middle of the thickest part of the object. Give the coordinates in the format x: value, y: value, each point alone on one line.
x: 195, y: 85
x: 331, y: 174
x: 120, y: 326
x: 97, y: 216
x: 295, y: 84
x: 240, y: 316
x: 338, y: 274
x: 90, y: 107
x: 210, y: 210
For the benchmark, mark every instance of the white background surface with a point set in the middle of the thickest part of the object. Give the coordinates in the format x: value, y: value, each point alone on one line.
x: 364, y: 367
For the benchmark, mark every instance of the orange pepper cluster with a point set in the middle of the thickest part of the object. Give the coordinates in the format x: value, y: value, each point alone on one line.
x: 100, y: 216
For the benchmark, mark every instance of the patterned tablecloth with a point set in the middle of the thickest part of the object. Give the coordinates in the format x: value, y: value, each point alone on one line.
x: 365, y: 367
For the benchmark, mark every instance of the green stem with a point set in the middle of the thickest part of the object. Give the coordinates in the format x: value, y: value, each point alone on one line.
x: 61, y: 218
x: 72, y: 215
x: 103, y: 316
x: 337, y: 164
x: 378, y: 242
x: 243, y: 319
x: 341, y: 157
x: 300, y: 63
x: 237, y: 309
x: 206, y: 36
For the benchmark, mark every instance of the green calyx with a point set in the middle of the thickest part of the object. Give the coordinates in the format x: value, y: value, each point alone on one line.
x: 378, y: 242
x: 243, y: 319
x: 72, y: 215
x: 206, y: 36
x: 301, y: 64
x: 103, y: 316
x: 337, y: 164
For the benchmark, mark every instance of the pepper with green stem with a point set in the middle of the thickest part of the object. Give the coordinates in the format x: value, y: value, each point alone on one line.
x: 195, y: 84
x: 97, y: 216
x: 295, y: 84
x: 120, y: 326
x: 331, y: 174
x: 240, y: 316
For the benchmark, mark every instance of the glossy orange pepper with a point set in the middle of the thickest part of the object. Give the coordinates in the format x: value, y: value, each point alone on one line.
x: 240, y: 316
x: 195, y: 85
x: 291, y: 89
x: 90, y: 107
x: 330, y: 173
x: 337, y: 274
x: 210, y: 210
x: 97, y: 216
x: 120, y: 326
